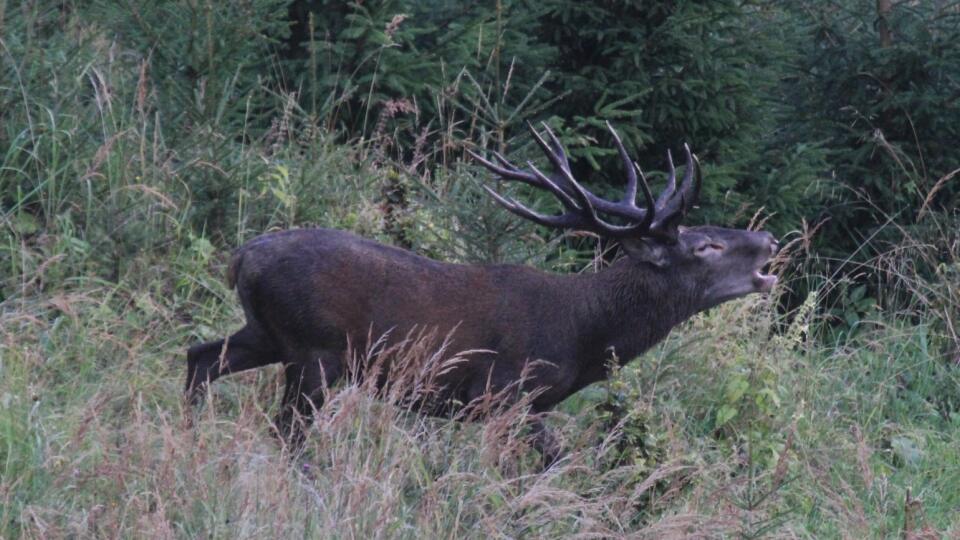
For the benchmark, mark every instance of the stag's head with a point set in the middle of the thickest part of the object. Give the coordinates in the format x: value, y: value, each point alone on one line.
x: 714, y: 264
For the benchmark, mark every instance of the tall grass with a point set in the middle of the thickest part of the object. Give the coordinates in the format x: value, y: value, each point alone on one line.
x: 113, y: 238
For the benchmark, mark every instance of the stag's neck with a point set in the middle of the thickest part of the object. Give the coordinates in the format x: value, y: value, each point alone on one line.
x: 632, y: 307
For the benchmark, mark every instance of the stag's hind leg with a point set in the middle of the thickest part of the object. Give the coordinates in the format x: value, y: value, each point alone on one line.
x: 247, y: 349
x: 304, y: 392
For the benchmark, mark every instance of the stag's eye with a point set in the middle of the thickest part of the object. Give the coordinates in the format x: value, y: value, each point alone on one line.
x: 708, y: 248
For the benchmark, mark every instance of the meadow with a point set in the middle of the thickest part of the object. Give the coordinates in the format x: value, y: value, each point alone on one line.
x: 834, y: 413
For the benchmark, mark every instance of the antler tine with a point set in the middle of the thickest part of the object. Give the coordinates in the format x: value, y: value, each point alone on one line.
x: 676, y: 208
x: 687, y: 174
x: 648, y: 198
x: 699, y: 180
x: 507, y: 170
x: 565, y: 220
x: 585, y: 198
x: 671, y: 187
x: 505, y: 162
x: 557, y: 146
x: 692, y: 178
x: 688, y: 192
x: 557, y: 159
x: 630, y: 196
x: 552, y: 187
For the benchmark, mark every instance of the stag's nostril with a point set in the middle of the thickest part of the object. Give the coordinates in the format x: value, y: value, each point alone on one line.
x: 771, y: 242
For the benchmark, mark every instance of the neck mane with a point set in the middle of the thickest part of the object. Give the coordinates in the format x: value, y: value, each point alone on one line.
x: 632, y: 306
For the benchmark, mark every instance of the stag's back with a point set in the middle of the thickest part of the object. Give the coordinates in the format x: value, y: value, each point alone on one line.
x: 311, y: 285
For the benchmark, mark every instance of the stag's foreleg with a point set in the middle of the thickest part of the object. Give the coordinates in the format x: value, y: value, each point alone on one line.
x: 545, y: 441
x: 247, y: 349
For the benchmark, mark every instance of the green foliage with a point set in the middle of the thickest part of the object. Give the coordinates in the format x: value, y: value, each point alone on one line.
x: 211, y: 56
x: 664, y: 73
x: 621, y: 416
x: 131, y: 164
x: 671, y: 72
x: 356, y: 59
x: 884, y: 108
x: 455, y: 220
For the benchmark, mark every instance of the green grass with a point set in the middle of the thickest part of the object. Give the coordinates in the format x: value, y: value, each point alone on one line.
x: 114, y: 233
x: 96, y: 441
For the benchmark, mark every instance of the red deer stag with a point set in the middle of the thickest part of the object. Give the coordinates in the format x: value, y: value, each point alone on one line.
x: 308, y: 293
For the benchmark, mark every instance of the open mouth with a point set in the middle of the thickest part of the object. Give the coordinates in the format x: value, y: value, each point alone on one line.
x: 764, y: 282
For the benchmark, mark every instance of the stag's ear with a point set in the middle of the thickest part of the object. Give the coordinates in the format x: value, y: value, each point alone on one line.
x: 645, y: 250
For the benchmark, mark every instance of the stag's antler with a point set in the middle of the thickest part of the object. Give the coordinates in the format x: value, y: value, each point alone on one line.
x: 659, y: 219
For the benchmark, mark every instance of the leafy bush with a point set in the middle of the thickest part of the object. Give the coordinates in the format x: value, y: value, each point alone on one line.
x: 211, y: 62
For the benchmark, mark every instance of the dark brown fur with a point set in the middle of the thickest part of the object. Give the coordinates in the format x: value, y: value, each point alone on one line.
x: 309, y: 293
